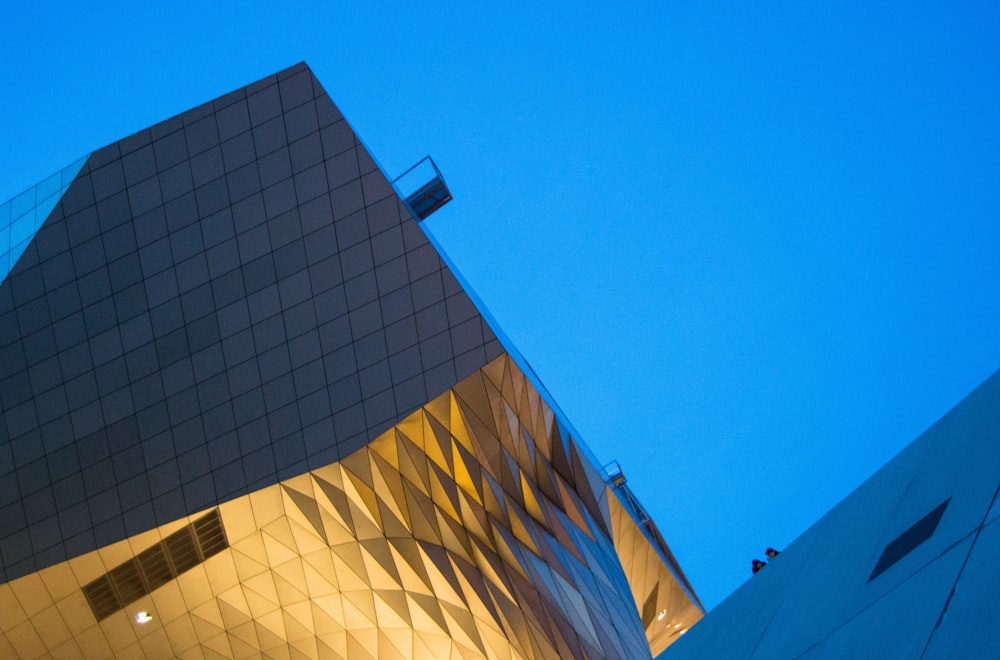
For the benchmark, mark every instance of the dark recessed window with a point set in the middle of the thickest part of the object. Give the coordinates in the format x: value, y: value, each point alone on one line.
x: 906, y: 542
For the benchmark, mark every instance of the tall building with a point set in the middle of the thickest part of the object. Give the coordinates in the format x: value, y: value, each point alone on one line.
x: 904, y: 567
x: 250, y: 411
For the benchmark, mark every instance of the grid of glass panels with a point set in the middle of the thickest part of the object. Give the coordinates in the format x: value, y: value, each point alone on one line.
x: 226, y: 299
x: 21, y: 217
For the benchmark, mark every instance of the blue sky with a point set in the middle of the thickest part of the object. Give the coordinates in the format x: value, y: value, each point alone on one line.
x: 752, y: 251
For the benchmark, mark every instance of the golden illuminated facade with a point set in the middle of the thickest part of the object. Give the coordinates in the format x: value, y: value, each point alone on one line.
x: 472, y: 529
x: 298, y: 482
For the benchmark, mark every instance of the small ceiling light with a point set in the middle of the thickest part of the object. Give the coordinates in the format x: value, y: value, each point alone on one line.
x: 659, y: 617
x: 143, y: 617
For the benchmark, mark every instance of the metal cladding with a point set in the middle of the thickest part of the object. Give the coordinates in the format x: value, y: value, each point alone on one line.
x: 248, y: 411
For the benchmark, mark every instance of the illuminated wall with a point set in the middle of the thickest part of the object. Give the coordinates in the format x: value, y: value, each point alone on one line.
x: 471, y: 529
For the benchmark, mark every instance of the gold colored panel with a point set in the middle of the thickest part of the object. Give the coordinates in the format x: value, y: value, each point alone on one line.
x: 51, y: 627
x: 290, y: 583
x: 59, y: 582
x: 195, y: 587
x: 299, y: 621
x: 11, y: 611
x: 31, y: 594
x: 75, y: 611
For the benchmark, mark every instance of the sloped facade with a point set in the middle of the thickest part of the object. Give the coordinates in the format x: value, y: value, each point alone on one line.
x: 904, y: 567
x: 242, y: 392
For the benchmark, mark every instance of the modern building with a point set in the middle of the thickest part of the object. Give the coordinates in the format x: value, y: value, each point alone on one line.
x: 905, y: 567
x: 249, y: 410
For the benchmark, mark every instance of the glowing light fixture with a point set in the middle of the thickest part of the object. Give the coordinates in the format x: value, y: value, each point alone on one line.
x: 143, y: 617
x: 663, y: 613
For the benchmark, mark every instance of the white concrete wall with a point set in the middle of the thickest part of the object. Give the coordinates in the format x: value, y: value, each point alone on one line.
x: 942, y: 600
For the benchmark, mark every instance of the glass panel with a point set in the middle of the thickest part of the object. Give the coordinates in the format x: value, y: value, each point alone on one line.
x: 21, y: 217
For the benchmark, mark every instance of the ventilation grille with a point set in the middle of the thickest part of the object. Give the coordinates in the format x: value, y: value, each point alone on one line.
x: 155, y: 566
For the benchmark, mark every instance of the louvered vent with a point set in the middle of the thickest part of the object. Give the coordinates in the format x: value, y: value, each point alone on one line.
x: 154, y: 567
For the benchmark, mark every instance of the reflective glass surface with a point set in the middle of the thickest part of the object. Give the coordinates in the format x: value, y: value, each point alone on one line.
x: 21, y: 217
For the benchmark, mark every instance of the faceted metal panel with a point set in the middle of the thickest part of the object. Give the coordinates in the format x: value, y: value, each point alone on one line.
x: 226, y: 299
x: 666, y: 609
x: 472, y: 528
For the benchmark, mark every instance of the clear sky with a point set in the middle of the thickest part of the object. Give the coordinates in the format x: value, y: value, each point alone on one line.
x: 752, y: 251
